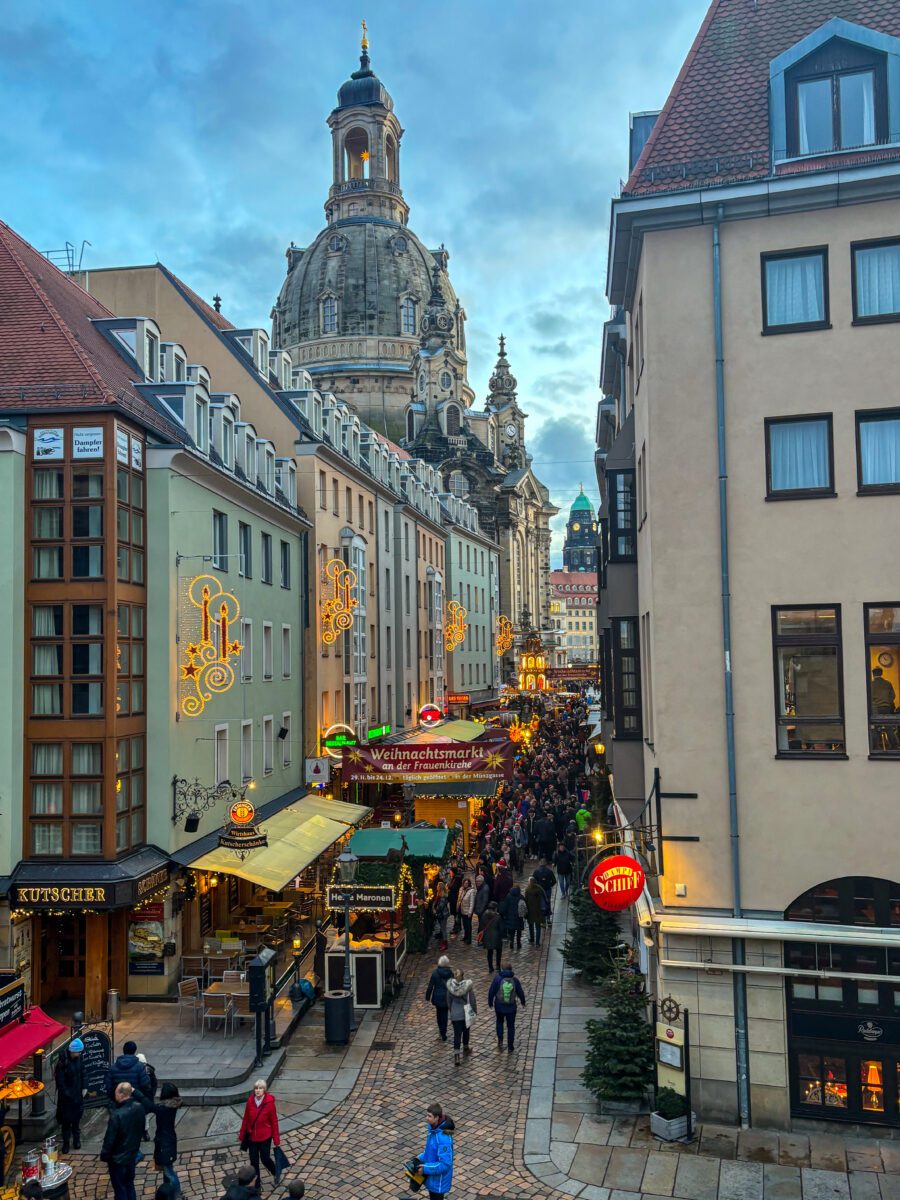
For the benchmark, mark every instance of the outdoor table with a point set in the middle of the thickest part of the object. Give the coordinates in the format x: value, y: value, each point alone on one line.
x: 21, y: 1090
x: 228, y: 989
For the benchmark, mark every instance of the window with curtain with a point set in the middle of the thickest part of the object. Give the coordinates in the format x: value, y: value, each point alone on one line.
x: 47, y: 799
x: 47, y: 522
x: 86, y: 799
x: 46, y: 699
x: 47, y: 838
x: 46, y: 758
x: 48, y: 485
x: 86, y: 837
x: 47, y: 658
x: 876, y: 281
x: 87, y: 620
x: 798, y: 456
x: 878, y: 450
x: 87, y: 758
x: 46, y: 620
x: 87, y: 699
x: 795, y: 291
x: 837, y: 99
x: 47, y: 562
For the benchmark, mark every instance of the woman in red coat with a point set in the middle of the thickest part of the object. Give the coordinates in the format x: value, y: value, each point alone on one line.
x: 259, y: 1129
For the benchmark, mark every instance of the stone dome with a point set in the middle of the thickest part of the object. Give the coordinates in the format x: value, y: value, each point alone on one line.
x: 369, y: 265
x: 364, y: 87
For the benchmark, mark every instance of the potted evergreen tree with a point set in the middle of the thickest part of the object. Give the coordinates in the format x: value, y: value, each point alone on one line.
x: 669, y: 1119
x: 619, y: 1062
x: 591, y: 942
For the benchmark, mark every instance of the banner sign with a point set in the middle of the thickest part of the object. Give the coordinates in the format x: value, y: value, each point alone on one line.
x: 370, y: 897
x: 450, y: 762
x: 587, y: 674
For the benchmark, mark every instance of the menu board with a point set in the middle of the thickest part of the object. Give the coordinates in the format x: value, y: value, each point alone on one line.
x: 95, y: 1063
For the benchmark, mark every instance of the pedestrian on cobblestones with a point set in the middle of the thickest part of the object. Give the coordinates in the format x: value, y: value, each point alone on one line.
x: 437, y: 1157
x: 562, y: 860
x: 165, y: 1141
x: 122, y: 1141
x: 259, y: 1129
x: 462, y: 996
x: 436, y: 992
x: 512, y: 912
x: 69, y: 1076
x: 482, y: 899
x: 241, y: 1186
x: 491, y: 935
x: 505, y: 995
x: 534, y: 910
x: 128, y: 1068
x: 465, y: 908
x: 441, y: 912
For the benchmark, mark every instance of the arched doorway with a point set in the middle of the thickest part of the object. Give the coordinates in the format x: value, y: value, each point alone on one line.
x: 356, y: 154
x: 843, y: 1003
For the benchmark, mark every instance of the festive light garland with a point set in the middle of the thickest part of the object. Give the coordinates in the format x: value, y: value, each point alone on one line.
x: 504, y: 638
x: 455, y: 626
x: 337, y: 609
x: 207, y: 664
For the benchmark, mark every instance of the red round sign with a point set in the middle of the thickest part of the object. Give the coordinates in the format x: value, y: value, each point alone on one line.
x: 616, y: 882
x: 430, y: 714
x: 242, y: 812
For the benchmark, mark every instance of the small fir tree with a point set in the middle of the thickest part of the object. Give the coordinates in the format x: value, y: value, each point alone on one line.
x: 619, y: 1061
x: 590, y: 945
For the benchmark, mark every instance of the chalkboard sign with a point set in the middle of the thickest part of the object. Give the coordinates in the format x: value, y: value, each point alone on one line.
x: 206, y: 920
x: 95, y: 1063
x: 12, y: 1003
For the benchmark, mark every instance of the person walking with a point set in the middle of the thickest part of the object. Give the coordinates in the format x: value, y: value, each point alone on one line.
x: 534, y: 910
x: 436, y: 992
x: 482, y: 899
x: 462, y: 996
x: 512, y: 912
x: 437, y: 1157
x: 69, y: 1077
x: 259, y: 1129
x: 466, y: 907
x: 491, y: 935
x: 441, y: 911
x: 165, y: 1140
x: 562, y: 860
x: 503, y: 881
x: 241, y: 1186
x: 505, y: 994
x: 122, y: 1141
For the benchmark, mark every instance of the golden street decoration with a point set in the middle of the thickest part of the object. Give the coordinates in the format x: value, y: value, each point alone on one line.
x: 207, y: 666
x: 533, y: 666
x: 504, y: 635
x: 428, y: 763
x: 337, y: 609
x: 455, y: 626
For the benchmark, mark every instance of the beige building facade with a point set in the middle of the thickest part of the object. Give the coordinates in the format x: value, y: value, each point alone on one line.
x: 757, y: 507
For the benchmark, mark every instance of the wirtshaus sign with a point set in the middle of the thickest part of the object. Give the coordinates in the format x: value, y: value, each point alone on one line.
x: 435, y: 763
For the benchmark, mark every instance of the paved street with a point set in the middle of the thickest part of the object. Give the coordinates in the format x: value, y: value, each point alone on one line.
x: 525, y: 1127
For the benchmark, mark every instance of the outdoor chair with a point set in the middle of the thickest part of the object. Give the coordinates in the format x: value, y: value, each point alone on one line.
x: 234, y: 945
x: 216, y: 968
x: 192, y: 966
x: 189, y: 998
x: 217, y: 1008
x: 241, y: 1010
x: 232, y: 977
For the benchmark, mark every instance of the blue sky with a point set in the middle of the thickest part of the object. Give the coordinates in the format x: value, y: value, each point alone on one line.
x: 194, y: 133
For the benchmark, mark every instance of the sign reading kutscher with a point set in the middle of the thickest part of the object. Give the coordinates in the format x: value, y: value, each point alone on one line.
x: 434, y: 763
x: 616, y: 882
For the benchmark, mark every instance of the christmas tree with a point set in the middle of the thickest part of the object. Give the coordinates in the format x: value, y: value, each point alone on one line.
x: 590, y: 945
x: 619, y: 1061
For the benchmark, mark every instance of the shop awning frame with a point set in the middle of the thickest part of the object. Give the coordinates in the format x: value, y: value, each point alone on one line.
x: 20, y: 1040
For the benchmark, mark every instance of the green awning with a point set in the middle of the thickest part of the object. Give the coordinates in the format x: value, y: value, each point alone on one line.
x: 375, y: 843
x: 427, y: 843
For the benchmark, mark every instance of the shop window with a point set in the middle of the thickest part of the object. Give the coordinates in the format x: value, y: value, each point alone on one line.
x: 878, y: 450
x: 795, y: 290
x: 799, y: 457
x: 809, y: 702
x: 876, y: 281
x: 822, y: 1080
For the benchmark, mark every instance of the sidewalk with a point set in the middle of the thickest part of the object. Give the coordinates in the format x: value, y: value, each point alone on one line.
x: 569, y: 1147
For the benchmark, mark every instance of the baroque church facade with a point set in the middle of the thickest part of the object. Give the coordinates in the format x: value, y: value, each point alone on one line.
x: 371, y: 314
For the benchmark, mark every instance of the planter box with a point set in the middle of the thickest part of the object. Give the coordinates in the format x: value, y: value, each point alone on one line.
x: 622, y: 1108
x: 670, y: 1131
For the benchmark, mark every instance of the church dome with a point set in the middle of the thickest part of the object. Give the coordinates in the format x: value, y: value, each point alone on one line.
x: 364, y: 87
x: 582, y: 504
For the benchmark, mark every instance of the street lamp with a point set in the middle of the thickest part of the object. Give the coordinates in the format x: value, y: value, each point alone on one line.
x: 347, y: 867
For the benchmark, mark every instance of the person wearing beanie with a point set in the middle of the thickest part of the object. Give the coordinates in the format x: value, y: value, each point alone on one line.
x: 436, y: 992
x: 128, y: 1068
x: 241, y: 1186
x: 296, y: 1190
x: 69, y: 1077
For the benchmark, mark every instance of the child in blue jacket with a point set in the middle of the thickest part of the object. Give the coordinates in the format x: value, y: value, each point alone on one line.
x: 437, y: 1157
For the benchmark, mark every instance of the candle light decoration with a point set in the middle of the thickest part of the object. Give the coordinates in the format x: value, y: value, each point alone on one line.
x: 207, y: 666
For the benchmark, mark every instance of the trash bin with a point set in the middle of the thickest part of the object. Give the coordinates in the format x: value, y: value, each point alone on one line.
x: 112, y: 1005
x: 338, y: 1017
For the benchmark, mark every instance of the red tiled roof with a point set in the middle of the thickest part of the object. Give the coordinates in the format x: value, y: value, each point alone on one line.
x: 714, y: 127
x: 51, y: 355
x: 398, y: 450
x: 220, y: 321
x: 564, y: 583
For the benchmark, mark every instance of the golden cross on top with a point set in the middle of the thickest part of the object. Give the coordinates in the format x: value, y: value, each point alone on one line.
x: 365, y: 35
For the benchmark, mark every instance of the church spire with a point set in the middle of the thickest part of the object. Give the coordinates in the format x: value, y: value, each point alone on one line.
x: 502, y: 384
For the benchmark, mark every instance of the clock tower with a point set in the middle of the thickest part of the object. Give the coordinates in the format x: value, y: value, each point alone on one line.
x: 580, y: 546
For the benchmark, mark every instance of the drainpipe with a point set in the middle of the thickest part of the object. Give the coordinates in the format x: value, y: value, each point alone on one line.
x: 738, y: 946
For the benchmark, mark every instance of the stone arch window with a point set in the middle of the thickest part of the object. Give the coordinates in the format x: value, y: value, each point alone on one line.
x: 410, y: 425
x: 451, y: 419
x: 390, y: 155
x: 407, y: 315
x: 356, y: 154
x: 458, y: 485
x: 329, y: 310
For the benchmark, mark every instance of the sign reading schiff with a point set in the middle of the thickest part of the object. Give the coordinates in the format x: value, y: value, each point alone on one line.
x: 449, y: 762
x: 616, y: 882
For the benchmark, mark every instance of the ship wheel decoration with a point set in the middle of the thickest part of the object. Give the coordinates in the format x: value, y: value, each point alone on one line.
x: 669, y: 1009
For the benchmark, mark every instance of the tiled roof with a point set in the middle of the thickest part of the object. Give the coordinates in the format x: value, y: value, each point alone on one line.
x: 714, y: 127
x: 51, y: 355
x: 208, y: 311
x: 398, y: 450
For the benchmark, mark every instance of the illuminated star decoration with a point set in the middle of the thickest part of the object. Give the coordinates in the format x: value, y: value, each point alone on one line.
x: 207, y: 666
x: 493, y: 760
x: 365, y: 156
x: 355, y: 756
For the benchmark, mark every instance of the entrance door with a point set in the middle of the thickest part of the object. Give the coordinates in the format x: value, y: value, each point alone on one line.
x: 62, y: 959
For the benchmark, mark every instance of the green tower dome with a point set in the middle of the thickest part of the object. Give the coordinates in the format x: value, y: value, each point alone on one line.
x: 582, y: 504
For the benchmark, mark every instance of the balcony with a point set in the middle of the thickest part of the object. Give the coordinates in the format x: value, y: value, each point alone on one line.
x: 364, y: 185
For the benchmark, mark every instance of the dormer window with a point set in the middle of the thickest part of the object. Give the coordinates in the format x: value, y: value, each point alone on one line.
x: 152, y: 356
x: 180, y: 367
x: 329, y: 315
x: 837, y: 99
x: 201, y: 425
x: 227, y: 442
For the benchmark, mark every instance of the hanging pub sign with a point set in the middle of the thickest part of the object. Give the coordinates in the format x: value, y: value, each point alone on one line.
x: 240, y: 834
x: 616, y: 882
x: 450, y: 762
x: 12, y: 1003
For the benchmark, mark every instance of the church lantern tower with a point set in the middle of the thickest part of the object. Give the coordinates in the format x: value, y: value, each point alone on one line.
x: 580, y: 546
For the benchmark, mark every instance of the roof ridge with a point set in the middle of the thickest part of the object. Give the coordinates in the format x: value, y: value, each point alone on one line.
x: 57, y: 318
x: 660, y: 121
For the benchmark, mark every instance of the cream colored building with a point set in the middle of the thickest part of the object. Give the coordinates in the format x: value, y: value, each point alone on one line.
x: 755, y: 256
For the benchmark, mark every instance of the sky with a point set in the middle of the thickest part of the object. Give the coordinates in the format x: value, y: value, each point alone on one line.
x: 194, y: 133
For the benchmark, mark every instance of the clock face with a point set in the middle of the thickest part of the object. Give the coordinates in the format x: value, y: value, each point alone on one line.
x: 575, y: 527
x: 510, y: 430
x: 594, y: 526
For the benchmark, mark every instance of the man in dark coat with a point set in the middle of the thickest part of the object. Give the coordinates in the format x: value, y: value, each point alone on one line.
x: 436, y: 992
x: 504, y: 996
x: 510, y: 914
x: 502, y: 884
x: 122, y: 1141
x: 69, y: 1076
x: 128, y: 1068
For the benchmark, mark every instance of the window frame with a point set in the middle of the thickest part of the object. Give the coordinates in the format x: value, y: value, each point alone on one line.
x: 220, y: 545
x: 621, y: 709
x: 876, y: 414
x: 870, y: 244
x: 817, y: 66
x: 799, y: 639
x: 800, y: 326
x: 800, y: 493
x: 268, y: 740
x: 287, y: 756
x: 879, y: 639
x: 265, y: 554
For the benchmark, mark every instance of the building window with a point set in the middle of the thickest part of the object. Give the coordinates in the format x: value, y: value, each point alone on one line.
x: 795, y: 290
x: 329, y: 315
x: 246, y: 751
x: 285, y: 651
x: 623, y: 544
x: 268, y: 746
x: 876, y: 281
x: 626, y: 677
x: 266, y: 544
x: 323, y: 490
x: 837, y: 100
x: 221, y: 753
x: 220, y: 541
x: 246, y: 650
x: 284, y: 736
x: 408, y: 316
x: 878, y: 450
x: 809, y: 692
x: 452, y: 420
x: 267, y: 650
x: 799, y: 457
x: 882, y: 628
x: 245, y: 548
x: 285, y: 564
x: 410, y: 425
x: 458, y: 484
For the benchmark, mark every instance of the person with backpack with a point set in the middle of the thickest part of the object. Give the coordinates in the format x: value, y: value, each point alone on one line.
x: 491, y: 935
x: 436, y: 992
x: 504, y: 997
x: 512, y: 912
